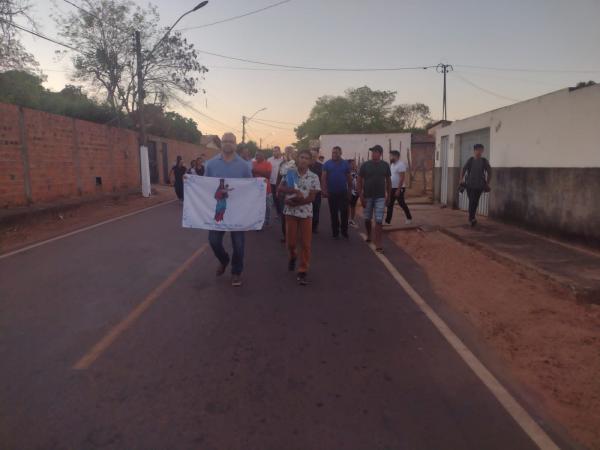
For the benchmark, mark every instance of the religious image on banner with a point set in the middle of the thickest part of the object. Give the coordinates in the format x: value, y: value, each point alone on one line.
x: 224, y: 204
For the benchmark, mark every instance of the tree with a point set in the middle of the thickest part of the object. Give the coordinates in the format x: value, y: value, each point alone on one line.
x: 585, y: 84
x: 171, y: 124
x: 13, y: 55
x: 361, y: 110
x: 106, y: 60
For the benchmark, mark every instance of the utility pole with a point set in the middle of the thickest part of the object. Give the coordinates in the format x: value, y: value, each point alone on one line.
x: 243, y: 129
x: 140, y: 80
x: 245, y: 120
x: 444, y: 68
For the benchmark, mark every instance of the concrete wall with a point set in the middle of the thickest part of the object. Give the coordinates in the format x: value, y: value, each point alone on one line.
x: 357, y: 145
x: 46, y: 157
x: 546, y: 156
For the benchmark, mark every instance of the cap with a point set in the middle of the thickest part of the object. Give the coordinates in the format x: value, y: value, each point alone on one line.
x: 376, y: 148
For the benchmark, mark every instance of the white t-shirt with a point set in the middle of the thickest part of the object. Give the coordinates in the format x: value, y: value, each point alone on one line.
x: 397, y: 168
x: 275, y: 163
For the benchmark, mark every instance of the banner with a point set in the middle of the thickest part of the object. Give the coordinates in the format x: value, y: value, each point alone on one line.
x: 224, y: 204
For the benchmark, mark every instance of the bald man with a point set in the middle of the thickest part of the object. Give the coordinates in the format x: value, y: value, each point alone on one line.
x: 228, y: 164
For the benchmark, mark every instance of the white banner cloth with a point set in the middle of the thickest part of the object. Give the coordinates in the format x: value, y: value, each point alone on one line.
x: 224, y: 204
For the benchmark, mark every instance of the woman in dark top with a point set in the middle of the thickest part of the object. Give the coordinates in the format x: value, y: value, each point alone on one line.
x: 178, y: 171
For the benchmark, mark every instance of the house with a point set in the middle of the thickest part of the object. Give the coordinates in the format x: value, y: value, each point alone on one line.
x: 545, y: 155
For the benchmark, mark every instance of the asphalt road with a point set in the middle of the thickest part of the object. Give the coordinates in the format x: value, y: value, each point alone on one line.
x: 348, y: 362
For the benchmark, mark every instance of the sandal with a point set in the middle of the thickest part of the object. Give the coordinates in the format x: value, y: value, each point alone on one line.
x: 379, y: 250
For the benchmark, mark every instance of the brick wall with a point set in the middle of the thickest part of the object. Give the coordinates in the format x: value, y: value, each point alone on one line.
x: 46, y: 157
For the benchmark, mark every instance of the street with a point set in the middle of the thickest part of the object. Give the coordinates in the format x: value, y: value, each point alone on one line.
x: 349, y: 362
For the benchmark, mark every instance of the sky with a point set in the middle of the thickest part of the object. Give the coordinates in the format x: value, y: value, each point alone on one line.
x: 552, y: 43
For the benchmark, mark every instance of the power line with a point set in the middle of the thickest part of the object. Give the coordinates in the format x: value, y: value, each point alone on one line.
x: 190, y: 107
x: 511, y: 69
x: 487, y: 91
x: 272, y: 126
x: 234, y: 17
x: 35, y: 33
x: 332, y: 69
x: 276, y: 121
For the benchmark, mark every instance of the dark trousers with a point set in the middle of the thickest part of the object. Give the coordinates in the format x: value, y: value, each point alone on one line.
x: 276, y: 201
x: 401, y: 202
x: 215, y: 238
x: 473, y: 195
x: 338, y: 207
x: 316, y: 211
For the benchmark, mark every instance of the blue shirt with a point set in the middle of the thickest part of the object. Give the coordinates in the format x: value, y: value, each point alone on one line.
x: 219, y: 168
x: 337, y: 175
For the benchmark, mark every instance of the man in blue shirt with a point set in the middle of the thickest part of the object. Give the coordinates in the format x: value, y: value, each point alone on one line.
x: 336, y: 186
x: 228, y: 164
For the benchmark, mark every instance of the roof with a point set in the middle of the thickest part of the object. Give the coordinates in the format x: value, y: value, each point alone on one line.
x: 439, y: 122
x: 422, y: 139
x: 208, y: 138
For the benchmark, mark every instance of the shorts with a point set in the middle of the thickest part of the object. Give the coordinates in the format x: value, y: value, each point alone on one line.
x: 353, y: 200
x: 376, y: 205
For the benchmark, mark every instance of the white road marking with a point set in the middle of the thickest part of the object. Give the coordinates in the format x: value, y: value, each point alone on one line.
x: 81, y: 230
x: 510, y: 404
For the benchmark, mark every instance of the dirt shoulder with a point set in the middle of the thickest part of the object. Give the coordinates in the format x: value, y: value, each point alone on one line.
x: 41, y: 226
x: 548, y: 341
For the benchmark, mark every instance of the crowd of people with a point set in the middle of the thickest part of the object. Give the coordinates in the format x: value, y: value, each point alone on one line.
x: 297, y: 181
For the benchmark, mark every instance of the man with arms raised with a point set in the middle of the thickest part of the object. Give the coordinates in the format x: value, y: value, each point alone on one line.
x: 228, y: 164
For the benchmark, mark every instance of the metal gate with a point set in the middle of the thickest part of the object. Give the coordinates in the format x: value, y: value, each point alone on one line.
x: 153, y: 162
x: 467, y: 141
x: 444, y: 165
x: 165, y: 162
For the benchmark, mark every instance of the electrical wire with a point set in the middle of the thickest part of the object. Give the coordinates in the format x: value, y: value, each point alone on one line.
x: 35, y: 33
x: 278, y: 121
x: 270, y: 125
x: 510, y: 69
x: 331, y: 69
x: 234, y: 17
x: 487, y: 91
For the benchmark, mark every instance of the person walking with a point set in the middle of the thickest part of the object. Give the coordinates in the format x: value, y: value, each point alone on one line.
x: 200, y: 165
x: 192, y: 169
x: 316, y: 167
x: 354, y: 196
x: 228, y: 164
x: 398, y: 169
x: 298, y: 212
x: 262, y: 168
x: 284, y: 168
x: 374, y: 186
x: 476, y: 176
x: 178, y: 171
x: 337, y: 187
x: 275, y: 162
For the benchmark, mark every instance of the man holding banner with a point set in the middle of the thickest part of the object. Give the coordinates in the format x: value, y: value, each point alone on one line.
x: 220, y: 202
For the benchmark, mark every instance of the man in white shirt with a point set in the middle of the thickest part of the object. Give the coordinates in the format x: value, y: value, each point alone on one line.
x: 275, y: 161
x: 398, y: 187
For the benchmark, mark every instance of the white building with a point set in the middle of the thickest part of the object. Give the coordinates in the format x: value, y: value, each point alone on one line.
x: 545, y: 155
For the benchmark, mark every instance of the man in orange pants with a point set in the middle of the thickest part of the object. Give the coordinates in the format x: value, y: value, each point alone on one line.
x: 298, y: 212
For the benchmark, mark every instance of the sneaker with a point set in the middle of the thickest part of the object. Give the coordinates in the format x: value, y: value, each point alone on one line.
x: 221, y: 268
x: 352, y: 223
x: 236, y: 280
x: 473, y: 222
x: 408, y: 221
x: 292, y: 264
x: 302, y: 279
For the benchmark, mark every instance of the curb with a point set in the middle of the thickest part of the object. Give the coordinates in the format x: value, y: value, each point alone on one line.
x: 581, y: 294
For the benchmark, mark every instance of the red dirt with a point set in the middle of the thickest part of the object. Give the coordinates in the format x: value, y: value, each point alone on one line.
x: 550, y: 343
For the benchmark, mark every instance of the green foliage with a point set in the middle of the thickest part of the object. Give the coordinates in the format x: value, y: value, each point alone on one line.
x: 361, y: 110
x: 25, y: 89
x: 171, y: 124
x: 13, y: 55
x: 585, y: 84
